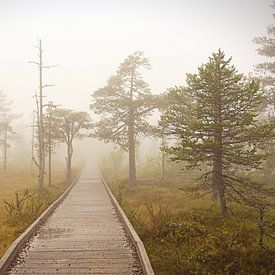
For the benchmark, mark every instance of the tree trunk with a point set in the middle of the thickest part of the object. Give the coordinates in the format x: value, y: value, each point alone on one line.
x: 50, y: 150
x: 41, y: 173
x: 215, y: 190
x: 132, y: 158
x: 69, y: 169
x: 131, y: 138
x: 69, y: 161
x: 41, y: 128
x: 50, y: 162
x: 218, y: 182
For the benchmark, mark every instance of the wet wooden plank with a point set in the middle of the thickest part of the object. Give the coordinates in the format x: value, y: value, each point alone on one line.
x: 78, y: 271
x: 77, y: 254
x: 76, y: 261
x: 75, y: 265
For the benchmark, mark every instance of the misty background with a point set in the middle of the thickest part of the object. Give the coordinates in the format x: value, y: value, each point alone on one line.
x: 87, y: 40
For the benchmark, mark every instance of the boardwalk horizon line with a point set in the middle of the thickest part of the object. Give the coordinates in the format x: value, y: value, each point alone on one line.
x: 87, y: 233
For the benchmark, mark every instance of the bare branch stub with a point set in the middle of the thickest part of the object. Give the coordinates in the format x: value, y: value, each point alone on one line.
x: 47, y: 85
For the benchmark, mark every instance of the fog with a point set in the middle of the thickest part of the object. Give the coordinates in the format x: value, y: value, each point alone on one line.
x: 87, y: 40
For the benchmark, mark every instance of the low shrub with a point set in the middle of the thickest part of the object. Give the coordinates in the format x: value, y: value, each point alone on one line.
x: 25, y: 207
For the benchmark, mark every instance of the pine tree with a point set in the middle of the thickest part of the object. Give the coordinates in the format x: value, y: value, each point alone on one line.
x: 124, y: 105
x: 216, y: 118
x: 266, y: 70
x: 68, y: 125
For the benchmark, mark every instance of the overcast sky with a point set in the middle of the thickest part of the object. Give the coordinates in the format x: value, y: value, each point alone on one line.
x: 88, y: 40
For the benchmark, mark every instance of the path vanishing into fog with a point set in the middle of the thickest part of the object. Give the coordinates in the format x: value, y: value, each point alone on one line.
x: 84, y: 235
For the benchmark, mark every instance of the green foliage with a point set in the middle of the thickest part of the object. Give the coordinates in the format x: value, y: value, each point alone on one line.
x: 193, y: 119
x: 186, y: 235
x: 190, y: 248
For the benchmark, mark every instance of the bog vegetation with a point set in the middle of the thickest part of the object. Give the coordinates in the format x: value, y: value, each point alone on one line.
x: 184, y: 233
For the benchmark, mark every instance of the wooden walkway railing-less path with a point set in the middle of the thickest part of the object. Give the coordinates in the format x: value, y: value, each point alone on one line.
x: 84, y: 235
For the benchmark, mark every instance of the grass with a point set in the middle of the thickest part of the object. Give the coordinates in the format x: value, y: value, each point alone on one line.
x: 18, y: 180
x: 186, y: 235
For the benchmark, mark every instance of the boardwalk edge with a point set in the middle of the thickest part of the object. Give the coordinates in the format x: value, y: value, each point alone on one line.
x: 143, y: 257
x: 16, y: 246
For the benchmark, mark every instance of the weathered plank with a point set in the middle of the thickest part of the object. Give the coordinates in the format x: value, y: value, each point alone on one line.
x: 84, y: 235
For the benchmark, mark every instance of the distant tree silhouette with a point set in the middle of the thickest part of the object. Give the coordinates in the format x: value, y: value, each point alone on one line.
x: 67, y: 125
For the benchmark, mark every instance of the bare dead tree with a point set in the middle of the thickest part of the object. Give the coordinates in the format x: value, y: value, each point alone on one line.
x: 40, y: 119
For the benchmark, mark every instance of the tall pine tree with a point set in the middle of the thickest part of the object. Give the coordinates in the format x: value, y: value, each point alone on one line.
x: 216, y: 118
x: 124, y: 105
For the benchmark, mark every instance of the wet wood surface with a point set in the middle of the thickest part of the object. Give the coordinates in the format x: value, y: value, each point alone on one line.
x: 84, y: 235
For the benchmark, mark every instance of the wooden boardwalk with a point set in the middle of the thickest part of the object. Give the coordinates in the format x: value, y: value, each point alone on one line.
x: 84, y: 235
